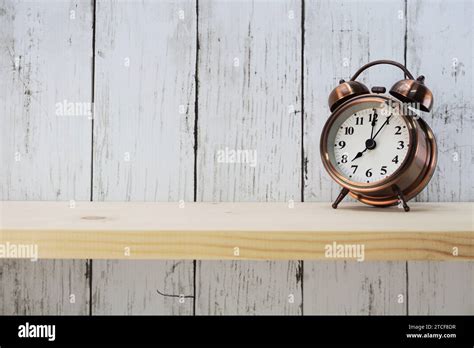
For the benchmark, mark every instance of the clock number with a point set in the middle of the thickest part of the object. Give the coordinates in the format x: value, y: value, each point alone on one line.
x: 373, y: 118
x: 395, y: 159
x: 355, y: 168
x: 401, y: 145
x: 344, y: 159
x: 399, y: 130
x: 368, y: 173
x: 349, y: 130
x: 342, y: 144
x: 359, y: 121
x: 388, y: 120
x: 383, y: 170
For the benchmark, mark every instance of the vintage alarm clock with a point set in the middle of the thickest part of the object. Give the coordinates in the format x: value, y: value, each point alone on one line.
x: 376, y: 146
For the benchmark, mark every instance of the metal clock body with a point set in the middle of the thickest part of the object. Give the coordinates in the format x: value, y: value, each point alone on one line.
x: 374, y: 147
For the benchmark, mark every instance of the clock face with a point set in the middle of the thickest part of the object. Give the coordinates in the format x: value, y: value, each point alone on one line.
x: 368, y: 142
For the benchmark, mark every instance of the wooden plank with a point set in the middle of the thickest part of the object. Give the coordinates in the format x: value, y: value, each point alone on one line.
x: 443, y: 54
x: 250, y: 86
x: 354, y: 288
x: 441, y: 288
x: 264, y: 231
x: 248, y: 288
x: 45, y: 93
x: 145, y: 287
x: 249, y: 131
x: 340, y: 37
x: 44, y: 287
x: 143, y: 138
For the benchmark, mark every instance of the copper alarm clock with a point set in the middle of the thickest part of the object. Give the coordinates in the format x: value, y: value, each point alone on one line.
x: 376, y: 146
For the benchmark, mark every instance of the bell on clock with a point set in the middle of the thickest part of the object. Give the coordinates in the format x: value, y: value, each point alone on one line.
x: 376, y: 146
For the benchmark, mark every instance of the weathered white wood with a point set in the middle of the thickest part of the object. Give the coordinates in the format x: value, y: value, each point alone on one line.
x: 442, y: 52
x: 355, y: 288
x: 45, y: 59
x: 249, y: 288
x: 144, y: 95
x: 441, y: 288
x: 144, y: 287
x: 143, y: 136
x: 44, y: 287
x: 250, y: 100
x: 440, y: 46
x: 340, y: 37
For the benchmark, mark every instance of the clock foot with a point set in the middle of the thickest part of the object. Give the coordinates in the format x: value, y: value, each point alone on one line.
x: 339, y: 198
x: 402, y: 199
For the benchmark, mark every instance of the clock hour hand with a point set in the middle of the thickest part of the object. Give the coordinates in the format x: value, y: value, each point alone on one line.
x: 359, y: 154
x: 370, y: 144
x: 374, y: 121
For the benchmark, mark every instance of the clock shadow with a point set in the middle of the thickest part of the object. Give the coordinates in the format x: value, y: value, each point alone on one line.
x: 389, y: 209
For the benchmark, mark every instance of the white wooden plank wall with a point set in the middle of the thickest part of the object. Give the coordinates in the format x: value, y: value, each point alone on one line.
x: 45, y: 59
x: 157, y: 135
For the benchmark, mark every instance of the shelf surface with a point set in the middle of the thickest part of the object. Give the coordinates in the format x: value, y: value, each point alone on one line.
x: 260, y: 231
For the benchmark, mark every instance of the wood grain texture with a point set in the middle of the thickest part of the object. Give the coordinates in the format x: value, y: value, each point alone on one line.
x: 262, y: 231
x: 441, y: 288
x: 143, y: 136
x: 443, y: 53
x: 354, y: 288
x: 249, y: 79
x: 340, y: 37
x: 249, y: 100
x: 45, y: 59
x: 145, y: 58
x: 249, y: 288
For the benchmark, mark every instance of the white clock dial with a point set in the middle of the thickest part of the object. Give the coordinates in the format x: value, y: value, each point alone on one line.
x: 365, y: 151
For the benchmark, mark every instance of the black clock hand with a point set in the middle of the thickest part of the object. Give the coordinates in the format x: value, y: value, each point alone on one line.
x: 374, y: 120
x: 359, y: 154
x: 386, y: 122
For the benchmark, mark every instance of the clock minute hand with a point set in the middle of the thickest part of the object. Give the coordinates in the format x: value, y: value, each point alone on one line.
x: 383, y: 125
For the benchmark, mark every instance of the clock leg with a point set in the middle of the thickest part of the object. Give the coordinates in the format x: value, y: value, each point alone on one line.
x: 401, y: 197
x: 339, y: 198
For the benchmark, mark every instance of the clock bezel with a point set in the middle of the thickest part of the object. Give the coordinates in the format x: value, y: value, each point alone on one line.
x: 379, y: 185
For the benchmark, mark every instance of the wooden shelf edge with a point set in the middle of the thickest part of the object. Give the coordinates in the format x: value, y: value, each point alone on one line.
x: 235, y: 245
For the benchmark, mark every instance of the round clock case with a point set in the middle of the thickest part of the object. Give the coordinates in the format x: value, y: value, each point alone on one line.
x: 416, y: 168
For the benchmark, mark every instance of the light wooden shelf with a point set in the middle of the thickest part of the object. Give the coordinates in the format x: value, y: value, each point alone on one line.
x: 260, y: 231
